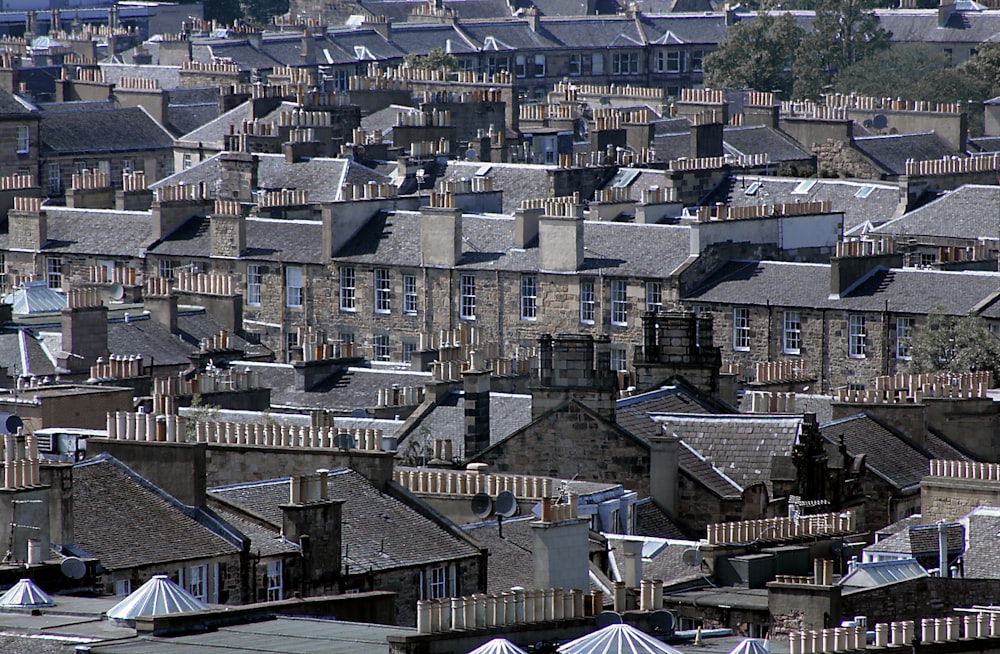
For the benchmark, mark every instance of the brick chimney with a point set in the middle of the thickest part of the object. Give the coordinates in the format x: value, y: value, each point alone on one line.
x: 441, y: 232
x: 84, y: 330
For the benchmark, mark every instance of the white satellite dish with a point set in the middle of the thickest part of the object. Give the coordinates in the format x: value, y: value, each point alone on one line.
x: 506, y: 504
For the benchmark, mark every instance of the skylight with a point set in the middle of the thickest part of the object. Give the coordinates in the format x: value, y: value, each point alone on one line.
x: 804, y: 187
x: 752, y: 189
x: 864, y: 191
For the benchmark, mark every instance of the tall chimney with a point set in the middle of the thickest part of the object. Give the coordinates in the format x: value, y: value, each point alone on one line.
x: 476, y: 386
x: 441, y: 235
x: 561, y: 553
x: 526, y: 226
x: 560, y: 243
x: 663, y: 475
x: 84, y: 330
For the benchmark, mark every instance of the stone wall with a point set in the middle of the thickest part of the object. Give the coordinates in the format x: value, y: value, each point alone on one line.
x: 918, y: 598
x: 950, y: 498
x: 839, y: 158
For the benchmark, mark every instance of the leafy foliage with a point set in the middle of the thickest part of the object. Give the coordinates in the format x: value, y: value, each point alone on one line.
x: 756, y: 54
x: 226, y: 12
x: 946, y: 344
x: 436, y: 59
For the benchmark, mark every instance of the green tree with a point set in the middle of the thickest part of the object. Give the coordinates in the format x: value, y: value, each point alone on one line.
x: 259, y: 12
x: 956, y: 345
x: 898, y: 71
x: 984, y: 67
x: 226, y: 12
x: 436, y: 59
x: 756, y: 54
x: 844, y: 32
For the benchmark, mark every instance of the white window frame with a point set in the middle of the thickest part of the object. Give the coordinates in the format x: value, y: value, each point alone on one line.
x: 856, y: 335
x: 741, y: 329
x: 588, y: 303
x: 674, y: 61
x: 275, y: 581
x: 575, y: 65
x: 529, y: 297
x: 697, y: 59
x: 383, y: 291
x: 123, y: 587
x: 654, y: 296
x: 254, y: 281
x: 520, y: 66
x: 348, y: 289
x: 619, y: 358
x: 619, y: 302
x: 597, y: 64
x: 23, y: 139
x: 437, y: 586
x: 294, y: 284
x: 186, y: 161
x: 54, y: 178
x: 291, y: 344
x: 381, y: 348
x: 791, y: 332
x: 904, y: 332
x: 539, y: 65
x: 467, y: 297
x: 165, y: 268
x: 197, y: 581
x: 410, y: 295
x: 54, y: 272
x: 128, y: 166
x: 409, y: 347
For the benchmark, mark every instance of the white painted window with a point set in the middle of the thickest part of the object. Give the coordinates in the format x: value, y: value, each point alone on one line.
x: 439, y: 582
x: 539, y: 65
x: 654, y: 296
x: 856, y: 336
x: 791, y: 333
x: 519, y: 66
x: 197, y: 582
x: 165, y: 267
x: 904, y: 334
x: 619, y: 302
x: 23, y: 139
x: 380, y: 347
x: 55, y: 178
x: 293, y: 287
x: 618, y: 357
x: 674, y: 61
x: 697, y: 59
x: 410, y: 294
x: 467, y: 298
x: 409, y: 347
x: 348, y: 289
x: 54, y: 272
x: 587, y: 301
x: 274, y: 581
x: 186, y: 161
x: 741, y: 329
x: 254, y: 279
x: 123, y: 587
x: 529, y: 297
x: 383, y: 290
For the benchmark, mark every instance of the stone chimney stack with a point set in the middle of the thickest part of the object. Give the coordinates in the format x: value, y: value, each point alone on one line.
x: 561, y: 547
x: 161, y: 303
x: 574, y: 366
x: 28, y: 226
x: 476, y: 386
x: 526, y: 226
x: 663, y: 480
x: 560, y: 235
x: 313, y: 520
x: 238, y: 176
x: 441, y: 231
x: 228, y: 230
x: 84, y: 330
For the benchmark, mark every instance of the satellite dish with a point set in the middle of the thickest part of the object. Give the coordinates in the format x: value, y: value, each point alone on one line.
x: 692, y: 557
x: 10, y: 422
x: 482, y: 505
x: 359, y: 413
x: 471, y: 155
x: 343, y: 441
x: 662, y: 622
x: 117, y: 292
x: 73, y: 567
x: 506, y: 504
x: 867, y: 123
x: 607, y: 618
x: 879, y: 121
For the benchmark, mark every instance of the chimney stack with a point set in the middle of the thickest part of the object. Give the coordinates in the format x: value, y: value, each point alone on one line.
x: 561, y: 548
x: 476, y: 386
x: 84, y: 330
x: 441, y: 234
x: 663, y: 481
x: 526, y: 226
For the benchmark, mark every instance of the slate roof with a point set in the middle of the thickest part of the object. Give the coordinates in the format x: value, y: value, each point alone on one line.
x: 920, y: 540
x: 184, y: 118
x: 586, y: 32
x: 12, y: 107
x: 517, y: 181
x: 264, y: 539
x: 322, y: 176
x: 651, y: 520
x: 123, y: 520
x: 760, y: 139
x: 694, y: 28
x: 982, y: 529
x: 446, y: 421
x: 101, y: 130
x: 213, y: 133
x: 167, y: 76
x: 379, y: 531
x: 907, y: 290
x: 347, y: 390
x: 968, y: 212
x: 892, y: 152
x: 890, y: 455
x: 671, y: 145
x: 741, y: 446
x: 610, y: 248
x: 23, y: 353
x: 985, y: 144
x: 104, y: 232
x: 383, y: 120
x: 878, y: 207
x: 510, y: 561
x: 921, y: 26
x: 633, y: 413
